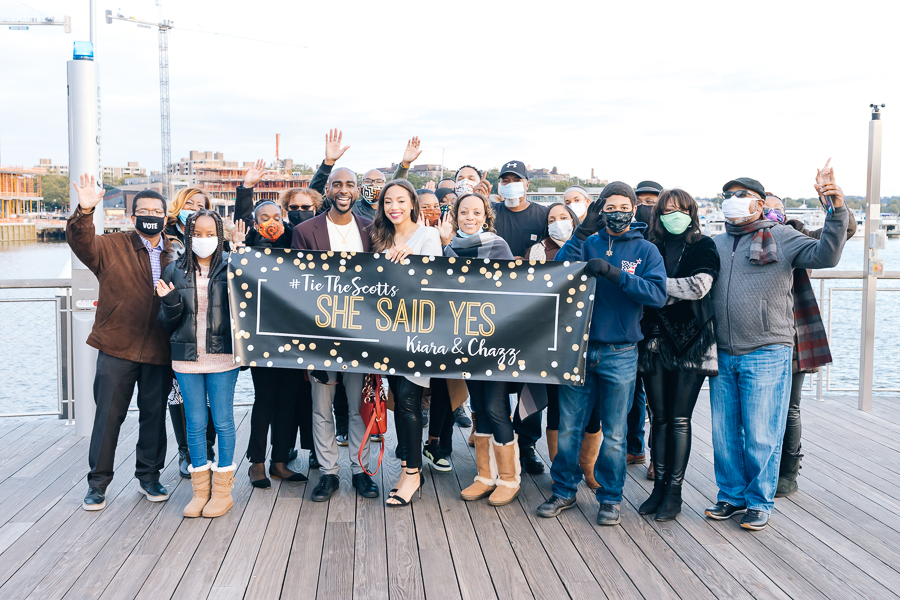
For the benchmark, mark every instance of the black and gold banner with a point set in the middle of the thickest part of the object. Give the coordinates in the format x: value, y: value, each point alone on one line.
x: 432, y: 316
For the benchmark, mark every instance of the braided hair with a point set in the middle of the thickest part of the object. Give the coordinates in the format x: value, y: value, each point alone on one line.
x: 188, y: 260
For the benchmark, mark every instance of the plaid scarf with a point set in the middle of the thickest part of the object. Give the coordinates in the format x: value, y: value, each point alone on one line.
x: 810, y: 341
x: 762, y: 246
x: 482, y: 245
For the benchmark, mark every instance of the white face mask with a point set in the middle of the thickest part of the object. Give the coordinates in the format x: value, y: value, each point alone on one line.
x: 579, y: 208
x: 204, y: 246
x: 735, y: 208
x: 464, y: 186
x: 512, y: 191
x: 561, y: 230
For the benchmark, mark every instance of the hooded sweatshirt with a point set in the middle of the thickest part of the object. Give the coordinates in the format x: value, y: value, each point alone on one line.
x: 619, y: 304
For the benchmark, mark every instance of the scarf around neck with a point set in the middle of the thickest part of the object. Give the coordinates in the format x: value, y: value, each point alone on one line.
x: 762, y: 247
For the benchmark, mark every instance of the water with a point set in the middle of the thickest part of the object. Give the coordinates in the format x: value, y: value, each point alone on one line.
x: 28, y: 332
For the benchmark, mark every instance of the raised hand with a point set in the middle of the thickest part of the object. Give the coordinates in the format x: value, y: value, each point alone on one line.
x: 88, y: 197
x: 833, y: 191
x: 484, y: 186
x: 411, y: 153
x: 431, y: 185
x: 825, y: 174
x: 239, y: 233
x: 593, y: 220
x: 445, y: 228
x: 163, y: 288
x: 255, y: 173
x: 333, y: 150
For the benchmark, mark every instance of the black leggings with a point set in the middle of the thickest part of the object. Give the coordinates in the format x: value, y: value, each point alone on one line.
x: 671, y: 396
x: 441, y: 417
x: 791, y: 444
x: 407, y: 419
x: 490, y: 402
x: 277, y: 395
x: 593, y: 426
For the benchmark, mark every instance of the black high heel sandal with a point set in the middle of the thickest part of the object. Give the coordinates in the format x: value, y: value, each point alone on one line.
x: 263, y: 484
x: 400, y: 500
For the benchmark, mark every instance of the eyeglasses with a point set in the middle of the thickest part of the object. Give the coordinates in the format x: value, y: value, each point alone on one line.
x: 296, y: 207
x: 147, y: 213
x: 740, y: 194
x: 373, y: 182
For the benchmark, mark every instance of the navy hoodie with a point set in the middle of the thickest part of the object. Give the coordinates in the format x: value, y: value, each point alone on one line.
x: 619, y: 304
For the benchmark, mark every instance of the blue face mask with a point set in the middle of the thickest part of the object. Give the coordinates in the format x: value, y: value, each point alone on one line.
x: 184, y: 214
x: 463, y: 234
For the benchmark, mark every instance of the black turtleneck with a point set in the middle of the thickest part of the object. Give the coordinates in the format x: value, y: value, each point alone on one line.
x: 674, y: 245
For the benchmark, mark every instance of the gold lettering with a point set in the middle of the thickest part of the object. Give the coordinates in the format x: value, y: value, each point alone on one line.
x: 326, y: 300
x: 401, y: 316
x: 353, y: 312
x: 378, y: 324
x: 335, y: 311
x: 470, y: 318
x: 487, y: 332
x: 456, y: 315
x: 423, y: 304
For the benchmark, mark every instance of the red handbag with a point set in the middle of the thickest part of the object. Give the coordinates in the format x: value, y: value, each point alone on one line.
x: 373, y: 411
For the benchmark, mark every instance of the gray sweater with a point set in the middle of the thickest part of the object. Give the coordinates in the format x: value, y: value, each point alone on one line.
x: 754, y: 304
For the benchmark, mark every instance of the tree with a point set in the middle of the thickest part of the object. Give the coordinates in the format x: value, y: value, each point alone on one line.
x: 113, y: 181
x: 55, y: 190
x: 303, y: 169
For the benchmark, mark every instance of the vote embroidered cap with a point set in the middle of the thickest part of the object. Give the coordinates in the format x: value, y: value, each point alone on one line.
x: 514, y: 167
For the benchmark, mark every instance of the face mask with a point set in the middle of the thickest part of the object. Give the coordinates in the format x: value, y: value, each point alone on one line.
x: 463, y: 234
x: 204, y: 246
x: 184, y: 214
x: 149, y: 225
x: 676, y: 223
x: 618, y: 221
x: 370, y: 193
x: 579, y: 208
x: 271, y: 230
x: 643, y: 214
x: 560, y: 230
x: 464, y: 186
x: 736, y: 208
x: 432, y: 216
x: 512, y: 191
x: 298, y: 216
x: 774, y: 215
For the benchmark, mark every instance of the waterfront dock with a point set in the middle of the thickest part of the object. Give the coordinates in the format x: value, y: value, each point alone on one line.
x: 838, y: 537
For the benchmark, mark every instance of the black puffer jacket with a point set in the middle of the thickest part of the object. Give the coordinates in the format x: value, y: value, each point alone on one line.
x: 178, y: 312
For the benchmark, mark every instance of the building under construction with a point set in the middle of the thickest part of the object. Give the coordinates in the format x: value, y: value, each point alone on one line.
x: 20, y: 191
x: 220, y: 183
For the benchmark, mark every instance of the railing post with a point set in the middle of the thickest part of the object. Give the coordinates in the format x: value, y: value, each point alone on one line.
x: 870, y: 283
x: 821, y: 369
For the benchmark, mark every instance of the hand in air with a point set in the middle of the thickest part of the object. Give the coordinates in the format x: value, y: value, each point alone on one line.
x: 431, y: 185
x: 825, y: 174
x: 255, y: 173
x: 239, y: 233
x: 88, y: 197
x: 411, y: 153
x: 445, y: 228
x: 333, y: 149
x: 484, y: 186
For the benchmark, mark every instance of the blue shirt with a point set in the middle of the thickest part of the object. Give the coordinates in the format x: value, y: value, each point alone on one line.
x: 155, y: 269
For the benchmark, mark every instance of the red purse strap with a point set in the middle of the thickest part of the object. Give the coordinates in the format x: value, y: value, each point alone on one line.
x: 376, y: 387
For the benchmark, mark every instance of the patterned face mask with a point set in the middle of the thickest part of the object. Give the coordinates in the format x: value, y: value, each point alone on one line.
x: 432, y: 215
x: 271, y: 229
x: 370, y: 192
x: 773, y: 214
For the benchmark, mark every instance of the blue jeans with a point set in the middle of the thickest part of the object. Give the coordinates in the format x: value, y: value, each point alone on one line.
x: 609, y: 384
x: 637, y: 418
x: 219, y: 389
x: 749, y: 403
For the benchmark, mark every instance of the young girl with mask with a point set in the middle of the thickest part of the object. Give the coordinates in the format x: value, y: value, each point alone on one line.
x: 194, y: 308
x: 679, y: 347
x: 561, y: 222
x: 577, y: 198
x: 397, y: 233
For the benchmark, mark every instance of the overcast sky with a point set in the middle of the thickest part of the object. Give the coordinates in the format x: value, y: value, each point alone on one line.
x: 689, y: 94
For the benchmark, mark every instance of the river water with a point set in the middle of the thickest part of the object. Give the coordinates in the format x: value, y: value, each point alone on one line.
x: 28, y: 333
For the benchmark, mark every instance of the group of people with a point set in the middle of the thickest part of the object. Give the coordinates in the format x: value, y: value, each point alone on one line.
x: 672, y: 308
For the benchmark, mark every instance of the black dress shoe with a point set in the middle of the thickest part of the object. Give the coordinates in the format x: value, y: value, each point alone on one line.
x: 755, y: 520
x: 608, y: 515
x: 154, y: 491
x: 292, y: 454
x: 461, y: 418
x: 342, y: 439
x: 328, y: 485
x: 365, y: 486
x: 184, y: 461
x: 530, y: 461
x: 313, y: 460
x: 95, y: 499
x: 724, y: 510
x: 554, y: 506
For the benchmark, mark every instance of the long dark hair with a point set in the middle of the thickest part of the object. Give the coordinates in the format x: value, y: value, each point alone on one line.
x: 188, y: 260
x: 382, y: 232
x: 683, y: 202
x: 575, y: 220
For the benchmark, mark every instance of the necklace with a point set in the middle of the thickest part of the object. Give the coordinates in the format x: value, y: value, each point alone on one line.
x: 338, y: 229
x: 611, y: 240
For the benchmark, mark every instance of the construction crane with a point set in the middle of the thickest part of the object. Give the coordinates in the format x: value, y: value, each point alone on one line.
x: 164, y: 120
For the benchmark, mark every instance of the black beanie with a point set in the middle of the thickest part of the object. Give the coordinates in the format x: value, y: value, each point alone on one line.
x: 441, y: 192
x: 617, y: 188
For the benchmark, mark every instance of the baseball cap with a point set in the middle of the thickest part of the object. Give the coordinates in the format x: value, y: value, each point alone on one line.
x: 750, y: 184
x: 648, y: 187
x: 516, y: 167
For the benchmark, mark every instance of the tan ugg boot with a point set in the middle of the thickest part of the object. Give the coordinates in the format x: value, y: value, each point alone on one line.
x: 472, y: 433
x: 552, y: 442
x: 221, y: 500
x: 485, y: 481
x: 590, y: 450
x: 200, y: 478
x: 509, y: 470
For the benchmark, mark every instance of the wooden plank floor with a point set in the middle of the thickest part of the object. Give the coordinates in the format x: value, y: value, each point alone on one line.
x: 838, y: 537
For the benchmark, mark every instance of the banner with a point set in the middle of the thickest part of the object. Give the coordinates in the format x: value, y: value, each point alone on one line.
x: 431, y: 316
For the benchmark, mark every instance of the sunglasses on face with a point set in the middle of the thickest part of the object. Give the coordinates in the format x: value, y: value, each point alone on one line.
x: 296, y: 207
x: 740, y: 194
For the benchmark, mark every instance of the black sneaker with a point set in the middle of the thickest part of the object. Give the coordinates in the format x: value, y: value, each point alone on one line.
x: 755, y: 520
x: 530, y: 461
x: 554, y: 506
x: 364, y: 484
x: 462, y: 419
x: 95, y: 499
x: 436, y: 458
x: 724, y: 510
x: 342, y: 439
x: 328, y: 485
x: 154, y: 491
x: 184, y: 461
x: 608, y: 515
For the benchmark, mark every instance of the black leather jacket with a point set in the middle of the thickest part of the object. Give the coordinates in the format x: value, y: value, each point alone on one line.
x: 178, y: 312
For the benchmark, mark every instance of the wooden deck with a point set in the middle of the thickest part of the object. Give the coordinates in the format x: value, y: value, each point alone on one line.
x: 839, y: 537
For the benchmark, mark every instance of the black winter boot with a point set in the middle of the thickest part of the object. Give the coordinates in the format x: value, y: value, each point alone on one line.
x: 652, y: 503
x: 176, y: 413
x: 787, y: 475
x: 671, y: 504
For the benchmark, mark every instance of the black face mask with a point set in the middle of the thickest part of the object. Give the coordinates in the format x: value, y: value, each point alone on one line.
x: 644, y: 214
x: 618, y: 221
x: 149, y: 225
x: 298, y: 216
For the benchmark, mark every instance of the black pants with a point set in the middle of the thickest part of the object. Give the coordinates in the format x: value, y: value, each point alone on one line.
x: 441, y: 418
x: 529, y: 429
x: 791, y: 444
x: 302, y: 414
x: 113, y: 387
x: 490, y: 402
x: 671, y: 396
x: 341, y: 410
x: 593, y: 426
x: 276, y: 400
x: 407, y: 419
